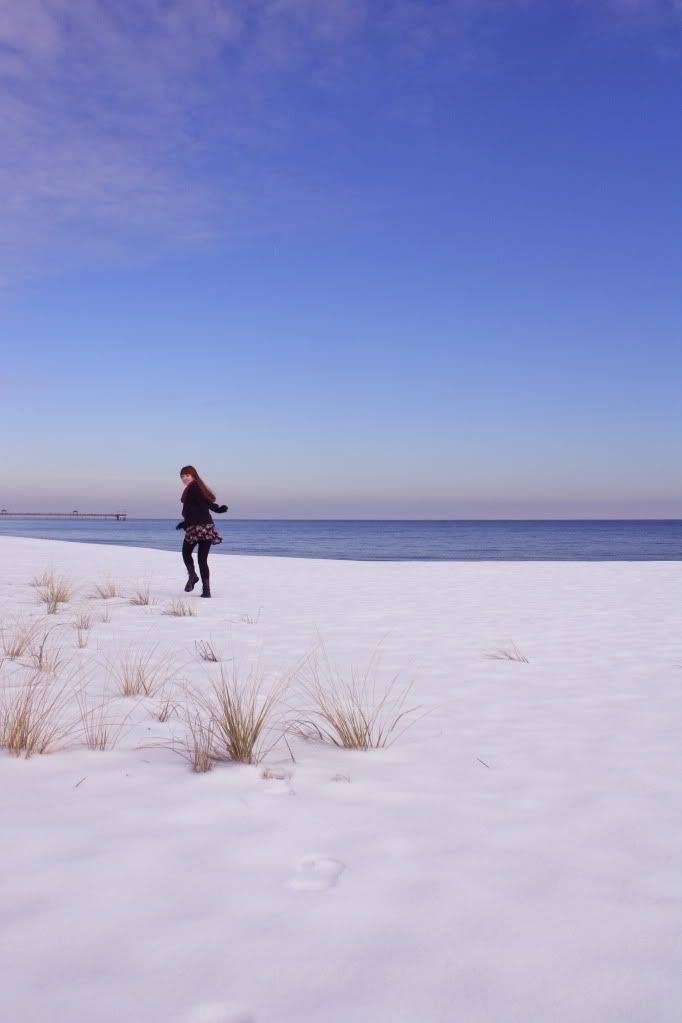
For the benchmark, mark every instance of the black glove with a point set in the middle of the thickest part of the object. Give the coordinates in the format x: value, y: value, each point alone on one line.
x: 221, y: 508
x: 181, y: 525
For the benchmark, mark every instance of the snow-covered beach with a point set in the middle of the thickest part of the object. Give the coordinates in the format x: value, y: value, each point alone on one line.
x: 514, y: 856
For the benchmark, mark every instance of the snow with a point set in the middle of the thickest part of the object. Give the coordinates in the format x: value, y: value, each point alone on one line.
x: 515, y: 856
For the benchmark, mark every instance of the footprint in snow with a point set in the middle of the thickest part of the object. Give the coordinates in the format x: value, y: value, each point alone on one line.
x: 215, y: 1012
x: 316, y: 873
x: 277, y: 783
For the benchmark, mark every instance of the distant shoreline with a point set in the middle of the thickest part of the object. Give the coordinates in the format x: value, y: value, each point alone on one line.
x: 395, y: 540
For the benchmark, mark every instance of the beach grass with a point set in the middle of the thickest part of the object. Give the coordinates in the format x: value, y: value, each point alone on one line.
x: 232, y: 722
x: 56, y: 591
x: 98, y: 730
x: 17, y: 639
x: 180, y: 609
x: 43, y: 656
x: 510, y: 653
x: 206, y: 651
x: 241, y: 711
x: 32, y: 715
x: 141, y: 673
x: 197, y: 743
x: 107, y: 590
x: 42, y: 578
x: 82, y: 625
x: 352, y: 710
x: 167, y: 707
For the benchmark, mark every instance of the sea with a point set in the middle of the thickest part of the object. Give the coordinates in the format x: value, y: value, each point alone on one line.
x: 389, y: 540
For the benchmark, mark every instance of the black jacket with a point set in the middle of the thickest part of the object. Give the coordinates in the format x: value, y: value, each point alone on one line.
x: 196, y: 507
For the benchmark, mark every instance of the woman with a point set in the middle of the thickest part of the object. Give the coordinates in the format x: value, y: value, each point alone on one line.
x: 197, y: 503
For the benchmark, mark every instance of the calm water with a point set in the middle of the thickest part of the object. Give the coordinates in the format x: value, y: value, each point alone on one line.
x: 598, y: 540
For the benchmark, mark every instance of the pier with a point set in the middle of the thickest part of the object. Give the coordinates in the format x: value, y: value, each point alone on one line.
x: 119, y: 516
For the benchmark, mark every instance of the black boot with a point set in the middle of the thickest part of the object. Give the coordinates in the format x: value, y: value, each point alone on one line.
x: 206, y: 589
x: 191, y: 582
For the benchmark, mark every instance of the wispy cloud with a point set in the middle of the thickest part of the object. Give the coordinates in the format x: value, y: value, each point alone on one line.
x: 154, y: 122
x: 654, y: 24
x: 102, y: 108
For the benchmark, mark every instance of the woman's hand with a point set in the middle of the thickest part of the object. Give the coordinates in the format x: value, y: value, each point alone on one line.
x: 181, y: 525
x: 221, y: 508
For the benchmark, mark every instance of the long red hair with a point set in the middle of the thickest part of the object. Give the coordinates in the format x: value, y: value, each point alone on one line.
x: 206, y: 491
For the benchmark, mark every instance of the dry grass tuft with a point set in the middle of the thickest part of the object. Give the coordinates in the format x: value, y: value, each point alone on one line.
x: 142, y: 598
x: 56, y: 591
x: 17, y: 640
x: 247, y: 619
x: 107, y: 590
x: 232, y: 723
x: 511, y: 653
x: 82, y: 626
x: 352, y: 712
x: 197, y: 745
x: 241, y: 713
x: 140, y: 673
x: 274, y: 774
x: 44, y: 657
x: 42, y: 580
x: 99, y: 731
x: 31, y: 716
x: 95, y: 724
x: 180, y: 609
x: 167, y: 708
x: 207, y: 651
x: 105, y: 616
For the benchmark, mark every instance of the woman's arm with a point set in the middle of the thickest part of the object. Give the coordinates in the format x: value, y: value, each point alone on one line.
x: 220, y: 508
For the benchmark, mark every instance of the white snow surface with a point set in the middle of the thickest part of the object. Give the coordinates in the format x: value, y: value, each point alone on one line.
x: 514, y: 857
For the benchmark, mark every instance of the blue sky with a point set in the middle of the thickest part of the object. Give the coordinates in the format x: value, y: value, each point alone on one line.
x: 352, y: 259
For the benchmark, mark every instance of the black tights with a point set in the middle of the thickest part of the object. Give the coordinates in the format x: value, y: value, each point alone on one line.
x: 204, y: 548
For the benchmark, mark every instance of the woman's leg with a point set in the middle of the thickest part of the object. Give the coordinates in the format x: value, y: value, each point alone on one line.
x: 204, y: 548
x: 193, y: 578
